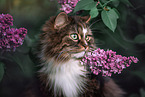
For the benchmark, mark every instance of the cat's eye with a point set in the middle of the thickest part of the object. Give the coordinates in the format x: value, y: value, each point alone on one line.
x: 74, y: 36
x: 87, y: 38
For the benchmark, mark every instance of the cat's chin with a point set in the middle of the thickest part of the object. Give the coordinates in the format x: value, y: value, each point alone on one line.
x: 78, y: 55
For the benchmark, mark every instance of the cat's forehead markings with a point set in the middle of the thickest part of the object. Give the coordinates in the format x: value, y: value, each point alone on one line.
x: 84, y: 31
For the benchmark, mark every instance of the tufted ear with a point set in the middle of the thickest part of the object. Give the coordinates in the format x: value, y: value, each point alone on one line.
x: 86, y: 19
x: 61, y: 20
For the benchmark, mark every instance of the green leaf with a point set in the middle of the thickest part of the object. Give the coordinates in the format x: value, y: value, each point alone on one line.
x: 1, y: 70
x: 29, y: 41
x: 25, y: 63
x: 115, y: 3
x: 117, y: 13
x: 94, y: 12
x: 110, y: 18
x: 140, y: 39
x: 85, y: 5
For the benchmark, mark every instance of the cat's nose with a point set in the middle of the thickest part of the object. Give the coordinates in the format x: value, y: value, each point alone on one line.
x: 86, y: 47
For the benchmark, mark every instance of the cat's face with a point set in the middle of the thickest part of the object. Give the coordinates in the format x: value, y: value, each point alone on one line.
x: 66, y: 37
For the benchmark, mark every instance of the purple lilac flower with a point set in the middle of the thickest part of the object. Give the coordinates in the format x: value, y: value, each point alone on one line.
x: 10, y: 38
x: 107, y: 62
x: 68, y: 5
x: 6, y: 19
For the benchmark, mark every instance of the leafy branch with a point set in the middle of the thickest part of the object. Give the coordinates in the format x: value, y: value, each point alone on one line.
x: 109, y: 15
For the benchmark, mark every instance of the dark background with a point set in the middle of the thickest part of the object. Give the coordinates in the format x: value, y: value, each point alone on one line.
x: 128, y: 40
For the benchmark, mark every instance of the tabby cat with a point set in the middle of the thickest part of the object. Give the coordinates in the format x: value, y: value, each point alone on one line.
x: 64, y: 41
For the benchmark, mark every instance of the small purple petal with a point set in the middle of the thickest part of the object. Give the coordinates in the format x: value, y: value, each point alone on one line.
x: 107, y: 62
x: 10, y: 38
x: 67, y: 5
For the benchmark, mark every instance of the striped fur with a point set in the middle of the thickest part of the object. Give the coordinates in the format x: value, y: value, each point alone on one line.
x: 61, y: 72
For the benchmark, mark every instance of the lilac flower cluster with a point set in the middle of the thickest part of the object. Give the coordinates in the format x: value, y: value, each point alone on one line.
x: 10, y: 38
x: 107, y: 62
x: 68, y: 5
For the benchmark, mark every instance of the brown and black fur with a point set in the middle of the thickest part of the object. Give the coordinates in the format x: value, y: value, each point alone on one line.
x: 54, y: 38
x: 53, y: 41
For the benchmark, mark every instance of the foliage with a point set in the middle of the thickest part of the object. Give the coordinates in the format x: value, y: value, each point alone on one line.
x: 109, y: 15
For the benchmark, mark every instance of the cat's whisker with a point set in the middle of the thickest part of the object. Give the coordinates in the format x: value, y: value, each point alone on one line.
x: 63, y: 43
x: 63, y: 58
x: 51, y: 53
x: 94, y: 23
x: 61, y: 53
x: 92, y: 49
x: 95, y: 30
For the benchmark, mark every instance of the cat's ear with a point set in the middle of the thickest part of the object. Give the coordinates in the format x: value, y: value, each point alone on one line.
x: 61, y: 20
x: 86, y: 19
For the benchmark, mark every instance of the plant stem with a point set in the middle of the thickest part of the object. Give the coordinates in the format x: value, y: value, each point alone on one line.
x: 106, y: 3
x: 100, y: 3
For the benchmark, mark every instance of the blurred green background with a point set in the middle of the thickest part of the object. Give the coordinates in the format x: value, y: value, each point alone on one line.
x: 20, y: 67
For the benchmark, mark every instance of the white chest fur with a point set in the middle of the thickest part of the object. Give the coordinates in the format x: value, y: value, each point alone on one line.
x: 66, y: 77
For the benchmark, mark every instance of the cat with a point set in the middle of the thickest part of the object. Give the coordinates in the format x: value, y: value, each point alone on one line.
x: 64, y: 41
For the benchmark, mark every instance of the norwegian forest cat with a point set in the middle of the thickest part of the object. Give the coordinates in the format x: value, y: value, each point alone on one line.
x: 64, y: 41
